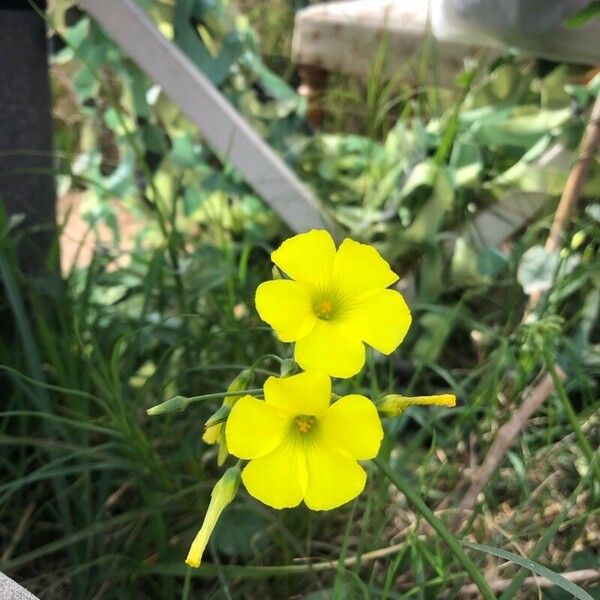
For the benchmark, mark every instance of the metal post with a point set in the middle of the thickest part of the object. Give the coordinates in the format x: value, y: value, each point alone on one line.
x: 26, y: 164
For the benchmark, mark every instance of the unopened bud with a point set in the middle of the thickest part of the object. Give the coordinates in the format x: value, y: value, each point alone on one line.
x: 393, y: 405
x: 215, y: 432
x: 176, y: 404
x: 223, y: 450
x: 222, y: 495
x: 241, y: 381
x: 219, y: 417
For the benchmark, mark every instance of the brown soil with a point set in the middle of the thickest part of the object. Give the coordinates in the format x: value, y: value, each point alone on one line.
x: 78, y: 241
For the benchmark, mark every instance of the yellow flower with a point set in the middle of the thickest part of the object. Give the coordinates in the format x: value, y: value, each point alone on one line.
x: 223, y: 493
x: 300, y: 446
x: 333, y: 302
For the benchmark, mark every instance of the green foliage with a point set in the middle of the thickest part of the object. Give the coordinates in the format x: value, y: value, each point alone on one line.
x: 555, y: 578
x: 581, y: 17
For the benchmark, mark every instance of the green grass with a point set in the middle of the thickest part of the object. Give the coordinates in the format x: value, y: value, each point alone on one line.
x: 95, y: 491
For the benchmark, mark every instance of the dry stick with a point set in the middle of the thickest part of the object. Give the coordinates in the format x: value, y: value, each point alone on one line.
x: 577, y: 178
x: 499, y: 585
x: 503, y: 441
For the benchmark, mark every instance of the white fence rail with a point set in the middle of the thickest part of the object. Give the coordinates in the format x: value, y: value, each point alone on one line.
x: 227, y: 132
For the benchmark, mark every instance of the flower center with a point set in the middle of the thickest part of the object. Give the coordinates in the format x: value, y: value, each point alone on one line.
x: 304, y: 423
x: 323, y: 309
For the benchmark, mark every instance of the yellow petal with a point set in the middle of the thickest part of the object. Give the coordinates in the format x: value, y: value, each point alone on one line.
x: 333, y: 479
x: 330, y: 348
x: 380, y: 318
x: 359, y: 268
x: 211, y: 434
x: 278, y: 479
x: 286, y: 306
x: 253, y: 428
x: 307, y: 257
x: 352, y: 425
x: 307, y: 393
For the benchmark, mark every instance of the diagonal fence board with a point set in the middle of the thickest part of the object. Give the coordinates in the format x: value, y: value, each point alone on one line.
x: 226, y: 131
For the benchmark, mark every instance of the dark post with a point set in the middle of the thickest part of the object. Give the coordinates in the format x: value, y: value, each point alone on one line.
x: 26, y: 164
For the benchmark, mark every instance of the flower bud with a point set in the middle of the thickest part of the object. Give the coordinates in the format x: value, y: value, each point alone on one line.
x: 176, y: 404
x: 241, y: 381
x: 223, y: 450
x: 215, y: 433
x: 393, y: 405
x: 219, y: 417
x: 222, y: 495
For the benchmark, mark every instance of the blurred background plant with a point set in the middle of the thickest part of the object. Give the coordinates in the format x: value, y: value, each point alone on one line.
x: 98, y: 501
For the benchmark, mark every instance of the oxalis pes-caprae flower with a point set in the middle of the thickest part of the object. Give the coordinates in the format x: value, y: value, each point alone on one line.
x: 301, y: 442
x: 333, y: 303
x: 300, y: 445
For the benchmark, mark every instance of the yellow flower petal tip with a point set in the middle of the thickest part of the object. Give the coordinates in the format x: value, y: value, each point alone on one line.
x: 300, y: 446
x: 333, y: 303
x: 393, y: 405
x: 211, y: 434
x: 223, y: 493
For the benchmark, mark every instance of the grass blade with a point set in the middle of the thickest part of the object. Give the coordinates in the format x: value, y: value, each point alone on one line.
x: 557, y: 579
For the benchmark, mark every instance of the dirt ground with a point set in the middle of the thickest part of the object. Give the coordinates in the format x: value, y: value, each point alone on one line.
x: 77, y: 241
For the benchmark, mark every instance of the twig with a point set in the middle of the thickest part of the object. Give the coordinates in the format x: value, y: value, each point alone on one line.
x: 365, y: 557
x: 503, y: 441
x: 577, y: 177
x: 499, y: 585
x: 573, y: 188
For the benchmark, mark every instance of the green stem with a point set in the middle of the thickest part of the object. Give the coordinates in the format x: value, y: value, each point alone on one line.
x: 179, y: 403
x: 217, y: 395
x: 440, y: 528
x: 187, y: 584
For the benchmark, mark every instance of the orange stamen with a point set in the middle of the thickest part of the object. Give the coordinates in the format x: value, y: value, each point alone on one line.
x: 304, y: 423
x: 323, y: 309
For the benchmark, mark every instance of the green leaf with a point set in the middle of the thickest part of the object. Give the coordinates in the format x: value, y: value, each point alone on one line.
x: 538, y: 269
x: 519, y: 126
x: 436, y: 328
x: 427, y: 222
x: 241, y: 532
x: 86, y: 84
x: 534, y: 567
x: 464, y: 268
x: 422, y: 175
x: 591, y: 11
x: 491, y: 262
x: 466, y: 162
x: 186, y: 151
